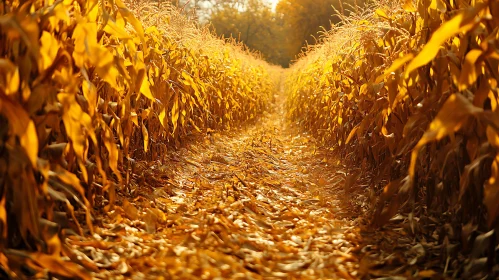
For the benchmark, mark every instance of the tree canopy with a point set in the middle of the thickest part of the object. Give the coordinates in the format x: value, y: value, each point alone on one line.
x: 280, y: 33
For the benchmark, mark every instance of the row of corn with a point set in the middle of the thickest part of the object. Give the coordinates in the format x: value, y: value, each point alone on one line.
x: 86, y: 87
x: 409, y: 88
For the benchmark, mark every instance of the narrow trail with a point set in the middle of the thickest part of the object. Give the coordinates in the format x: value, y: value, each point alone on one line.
x: 251, y: 204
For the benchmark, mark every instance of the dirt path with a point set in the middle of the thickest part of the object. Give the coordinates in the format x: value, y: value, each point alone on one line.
x: 258, y: 203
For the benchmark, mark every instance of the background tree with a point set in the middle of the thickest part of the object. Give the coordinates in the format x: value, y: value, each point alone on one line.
x: 252, y: 23
x: 279, y: 35
x: 304, y: 20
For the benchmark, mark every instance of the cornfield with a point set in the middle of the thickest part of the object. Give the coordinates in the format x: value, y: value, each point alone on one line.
x: 406, y: 90
x: 85, y: 89
x: 410, y: 89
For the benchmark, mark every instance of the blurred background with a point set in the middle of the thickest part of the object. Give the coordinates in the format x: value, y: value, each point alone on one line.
x: 278, y: 29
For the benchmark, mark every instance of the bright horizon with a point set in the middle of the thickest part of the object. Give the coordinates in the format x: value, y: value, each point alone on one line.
x: 273, y: 3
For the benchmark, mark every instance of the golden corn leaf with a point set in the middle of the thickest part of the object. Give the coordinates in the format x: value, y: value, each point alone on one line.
x: 469, y: 72
x: 409, y: 6
x: 92, y: 9
x: 100, y: 57
x: 162, y: 118
x: 61, y: 13
x: 145, y: 135
x: 352, y: 133
x: 134, y: 118
x: 74, y: 118
x: 90, y: 93
x: 29, y: 141
x: 491, y: 193
x: 48, y: 50
x: 145, y: 89
x: 189, y: 81
x: 438, y: 5
x: 449, y: 119
x: 22, y: 126
x: 85, y: 37
x: 103, y: 60
x: 395, y: 66
x: 3, y: 218
x: 462, y: 22
x: 116, y: 30
x: 175, y: 112
x: 25, y: 30
x: 112, y: 149
x: 137, y: 25
x: 380, y: 13
x: 9, y: 77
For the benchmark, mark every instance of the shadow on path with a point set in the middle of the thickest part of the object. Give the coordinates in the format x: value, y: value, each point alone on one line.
x: 263, y: 202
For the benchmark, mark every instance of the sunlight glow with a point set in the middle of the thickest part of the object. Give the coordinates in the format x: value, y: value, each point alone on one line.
x: 273, y: 3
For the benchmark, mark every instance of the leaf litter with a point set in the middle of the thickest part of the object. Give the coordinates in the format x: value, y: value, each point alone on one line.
x: 258, y: 203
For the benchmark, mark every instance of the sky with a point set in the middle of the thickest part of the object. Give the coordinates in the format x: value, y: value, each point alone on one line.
x: 273, y: 3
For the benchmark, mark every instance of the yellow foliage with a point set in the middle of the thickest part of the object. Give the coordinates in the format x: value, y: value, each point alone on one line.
x: 86, y: 86
x: 412, y: 92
